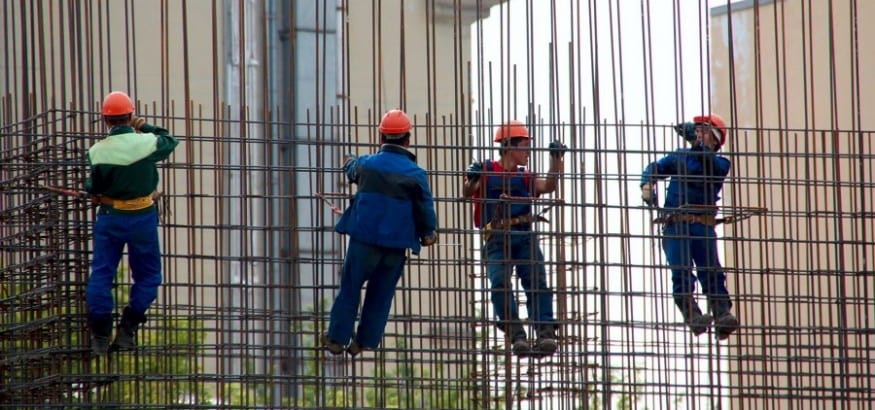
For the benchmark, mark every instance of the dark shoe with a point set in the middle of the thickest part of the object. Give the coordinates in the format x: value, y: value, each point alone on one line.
x: 99, y: 344
x: 699, y: 323
x: 101, y: 329
x: 331, y: 346
x: 355, y: 348
x: 125, y: 339
x: 725, y: 325
x: 693, y: 317
x: 126, y: 333
x: 520, y: 346
x: 547, y: 342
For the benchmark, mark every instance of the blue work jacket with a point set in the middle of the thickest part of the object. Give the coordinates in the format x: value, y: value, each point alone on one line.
x: 696, y: 174
x: 393, y: 206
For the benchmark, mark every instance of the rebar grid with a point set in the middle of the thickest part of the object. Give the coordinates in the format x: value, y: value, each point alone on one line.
x: 251, y: 261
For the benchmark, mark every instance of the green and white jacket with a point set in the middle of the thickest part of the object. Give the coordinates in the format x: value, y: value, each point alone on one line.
x: 123, y: 165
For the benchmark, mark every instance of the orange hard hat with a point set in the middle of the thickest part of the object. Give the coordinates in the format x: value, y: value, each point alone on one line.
x: 117, y: 103
x: 715, y: 121
x: 395, y: 122
x: 511, y: 129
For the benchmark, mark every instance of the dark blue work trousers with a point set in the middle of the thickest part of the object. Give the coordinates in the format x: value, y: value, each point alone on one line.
x: 518, y: 249
x: 111, y: 234
x: 381, y: 268
x: 686, y: 244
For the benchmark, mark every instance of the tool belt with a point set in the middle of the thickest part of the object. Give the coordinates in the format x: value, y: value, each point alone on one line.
x: 487, y: 230
x: 133, y: 204
x: 709, y: 220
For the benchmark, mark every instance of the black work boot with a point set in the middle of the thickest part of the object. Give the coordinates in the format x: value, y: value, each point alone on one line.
x: 725, y: 325
x: 547, y: 341
x: 126, y: 333
x: 330, y: 345
x: 101, y: 330
x: 693, y: 317
x: 724, y: 322
x: 355, y: 348
x: 519, y: 342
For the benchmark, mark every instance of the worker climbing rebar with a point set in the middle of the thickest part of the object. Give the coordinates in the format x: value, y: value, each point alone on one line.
x: 123, y: 179
x: 509, y: 241
x: 689, y: 216
x: 393, y: 210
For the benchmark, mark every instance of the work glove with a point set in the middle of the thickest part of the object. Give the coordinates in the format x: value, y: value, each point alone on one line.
x: 557, y: 149
x: 137, y: 123
x: 429, y: 240
x: 475, y: 170
x: 648, y: 195
x: 687, y: 130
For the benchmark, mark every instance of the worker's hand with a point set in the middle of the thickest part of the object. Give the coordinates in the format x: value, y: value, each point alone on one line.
x: 475, y: 170
x: 137, y: 123
x: 557, y: 149
x: 648, y: 195
x: 349, y: 157
x: 429, y: 240
x: 687, y: 130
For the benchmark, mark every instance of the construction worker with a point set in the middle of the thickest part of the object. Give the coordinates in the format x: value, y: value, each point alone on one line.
x: 393, y: 210
x: 506, y: 225
x: 123, y: 179
x: 689, y: 216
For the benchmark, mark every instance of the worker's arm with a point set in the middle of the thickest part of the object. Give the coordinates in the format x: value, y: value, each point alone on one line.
x: 350, y: 168
x: 164, y: 142
x: 549, y: 184
x: 657, y: 170
x: 425, y: 215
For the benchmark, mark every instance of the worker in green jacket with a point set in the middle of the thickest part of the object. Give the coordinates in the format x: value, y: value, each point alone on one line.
x: 123, y: 180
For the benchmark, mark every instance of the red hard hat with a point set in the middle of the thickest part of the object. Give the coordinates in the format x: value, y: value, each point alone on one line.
x: 715, y: 121
x: 117, y: 103
x: 395, y: 122
x: 511, y: 129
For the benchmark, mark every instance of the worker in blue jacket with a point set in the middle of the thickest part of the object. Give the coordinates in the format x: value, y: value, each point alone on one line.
x: 393, y: 210
x: 689, y: 217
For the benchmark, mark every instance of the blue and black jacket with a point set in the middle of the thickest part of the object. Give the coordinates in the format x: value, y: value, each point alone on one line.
x: 697, y: 176
x: 393, y: 206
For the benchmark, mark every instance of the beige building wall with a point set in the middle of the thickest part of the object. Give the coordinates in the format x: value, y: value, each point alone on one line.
x: 794, y: 85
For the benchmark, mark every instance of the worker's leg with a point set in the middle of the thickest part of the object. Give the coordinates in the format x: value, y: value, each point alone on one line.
x: 713, y: 279
x: 144, y: 257
x: 108, y: 247
x: 704, y: 251
x: 497, y: 253
x: 360, y: 261
x: 533, y: 276
x: 676, y: 244
x: 539, y: 297
x: 378, y: 297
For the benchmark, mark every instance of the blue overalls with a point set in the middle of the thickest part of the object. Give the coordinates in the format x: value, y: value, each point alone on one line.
x: 697, y: 176
x: 513, y: 246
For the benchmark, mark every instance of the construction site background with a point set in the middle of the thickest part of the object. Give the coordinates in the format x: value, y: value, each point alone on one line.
x: 267, y: 97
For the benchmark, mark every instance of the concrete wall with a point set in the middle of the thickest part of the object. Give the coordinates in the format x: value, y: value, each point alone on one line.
x: 790, y: 77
